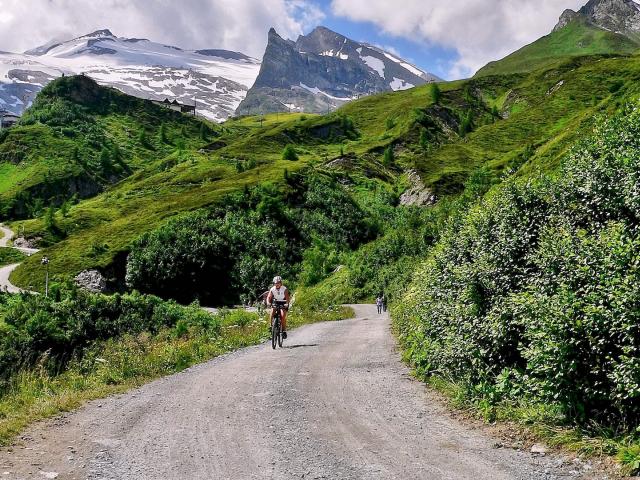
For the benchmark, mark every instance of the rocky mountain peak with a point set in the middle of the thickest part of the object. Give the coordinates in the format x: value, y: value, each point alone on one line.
x: 105, y: 32
x: 323, y: 70
x: 620, y: 16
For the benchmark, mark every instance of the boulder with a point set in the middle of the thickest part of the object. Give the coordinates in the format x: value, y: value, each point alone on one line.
x: 91, y: 280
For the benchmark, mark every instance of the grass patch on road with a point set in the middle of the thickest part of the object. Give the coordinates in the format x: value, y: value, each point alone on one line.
x: 123, y: 363
x: 9, y: 256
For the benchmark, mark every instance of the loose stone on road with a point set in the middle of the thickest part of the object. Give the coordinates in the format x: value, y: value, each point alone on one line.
x: 335, y: 403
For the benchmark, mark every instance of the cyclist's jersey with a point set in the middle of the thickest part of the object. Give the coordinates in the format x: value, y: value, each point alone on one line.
x: 278, y: 294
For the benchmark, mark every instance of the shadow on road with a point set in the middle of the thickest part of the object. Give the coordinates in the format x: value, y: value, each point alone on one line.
x: 302, y: 345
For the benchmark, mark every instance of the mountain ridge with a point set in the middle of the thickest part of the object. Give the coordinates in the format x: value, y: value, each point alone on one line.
x: 323, y: 70
x: 619, y: 16
x: 585, y: 32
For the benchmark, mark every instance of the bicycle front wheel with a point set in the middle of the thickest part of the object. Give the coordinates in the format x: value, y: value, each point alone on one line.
x: 275, y: 332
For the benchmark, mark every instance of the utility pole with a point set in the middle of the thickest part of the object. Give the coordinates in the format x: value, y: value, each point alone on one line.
x: 45, y: 262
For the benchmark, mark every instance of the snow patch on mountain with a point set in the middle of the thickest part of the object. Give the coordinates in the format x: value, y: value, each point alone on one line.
x: 374, y: 63
x: 216, y: 80
x: 400, y: 84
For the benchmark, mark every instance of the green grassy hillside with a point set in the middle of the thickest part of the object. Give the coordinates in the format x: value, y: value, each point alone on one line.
x: 78, y: 138
x: 523, y: 121
x: 578, y: 38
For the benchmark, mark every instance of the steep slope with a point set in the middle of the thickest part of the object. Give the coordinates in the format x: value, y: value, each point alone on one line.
x: 322, y: 71
x: 601, y: 27
x: 217, y: 80
x: 79, y: 137
x: 575, y: 38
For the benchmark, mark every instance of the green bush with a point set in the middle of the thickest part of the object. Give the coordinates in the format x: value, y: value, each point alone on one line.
x: 230, y: 254
x: 536, y: 289
x: 53, y: 331
x: 289, y: 153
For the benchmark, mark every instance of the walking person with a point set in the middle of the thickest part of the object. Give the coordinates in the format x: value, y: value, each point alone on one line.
x: 384, y: 302
x: 379, y: 304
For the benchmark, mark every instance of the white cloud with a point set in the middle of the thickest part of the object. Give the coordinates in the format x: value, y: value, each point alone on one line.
x: 231, y: 24
x: 478, y: 30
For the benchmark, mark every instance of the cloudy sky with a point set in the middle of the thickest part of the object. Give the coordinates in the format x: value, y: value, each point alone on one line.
x: 451, y: 38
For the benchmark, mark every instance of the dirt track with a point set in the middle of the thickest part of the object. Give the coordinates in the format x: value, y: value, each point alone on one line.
x: 336, y: 403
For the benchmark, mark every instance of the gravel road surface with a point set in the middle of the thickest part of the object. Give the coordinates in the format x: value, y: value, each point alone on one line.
x: 335, y: 403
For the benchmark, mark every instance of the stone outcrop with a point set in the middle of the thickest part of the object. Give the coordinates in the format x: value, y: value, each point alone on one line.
x: 417, y: 193
x: 619, y: 16
x: 91, y: 280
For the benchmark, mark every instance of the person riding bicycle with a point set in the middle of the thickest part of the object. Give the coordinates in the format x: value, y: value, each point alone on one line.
x: 279, y: 294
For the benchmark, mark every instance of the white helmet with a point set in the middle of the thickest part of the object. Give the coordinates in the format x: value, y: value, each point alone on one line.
x: 277, y: 279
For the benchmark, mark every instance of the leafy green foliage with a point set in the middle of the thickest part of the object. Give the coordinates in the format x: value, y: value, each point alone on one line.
x: 289, y: 153
x: 53, y: 331
x: 534, y: 291
x: 230, y: 253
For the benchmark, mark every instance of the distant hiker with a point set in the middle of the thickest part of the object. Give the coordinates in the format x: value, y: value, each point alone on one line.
x: 280, y: 294
x: 379, y: 304
x: 384, y: 302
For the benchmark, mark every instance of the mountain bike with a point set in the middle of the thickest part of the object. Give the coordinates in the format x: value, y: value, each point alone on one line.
x: 276, y: 328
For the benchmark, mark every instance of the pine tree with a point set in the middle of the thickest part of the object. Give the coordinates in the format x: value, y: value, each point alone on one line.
x: 436, y: 93
x: 163, y: 134
x: 144, y: 141
x: 50, y: 219
x: 64, y: 208
x: 105, y: 160
x: 424, y: 139
x: 388, y: 157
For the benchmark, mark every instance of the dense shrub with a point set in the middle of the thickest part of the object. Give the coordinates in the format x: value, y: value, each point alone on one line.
x: 536, y: 289
x: 230, y: 254
x: 52, y: 331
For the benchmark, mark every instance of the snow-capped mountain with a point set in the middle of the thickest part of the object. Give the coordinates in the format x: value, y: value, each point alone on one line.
x: 324, y: 70
x: 216, y: 80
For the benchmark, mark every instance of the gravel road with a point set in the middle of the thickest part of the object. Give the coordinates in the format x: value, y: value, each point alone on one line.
x: 336, y: 403
x: 6, y: 271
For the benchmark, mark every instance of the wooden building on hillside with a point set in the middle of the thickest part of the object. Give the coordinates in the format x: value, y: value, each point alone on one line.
x: 8, y: 119
x: 175, y: 105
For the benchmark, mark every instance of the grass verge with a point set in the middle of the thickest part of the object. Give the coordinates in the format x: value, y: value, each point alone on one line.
x: 127, y: 362
x: 526, y: 422
x: 9, y: 256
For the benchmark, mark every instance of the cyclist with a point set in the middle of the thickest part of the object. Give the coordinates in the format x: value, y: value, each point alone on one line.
x: 379, y: 304
x: 279, y: 293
